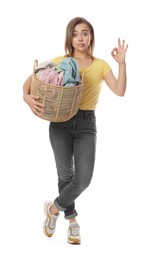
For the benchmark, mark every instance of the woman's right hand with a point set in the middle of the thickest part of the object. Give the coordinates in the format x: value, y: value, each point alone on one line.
x: 36, y: 107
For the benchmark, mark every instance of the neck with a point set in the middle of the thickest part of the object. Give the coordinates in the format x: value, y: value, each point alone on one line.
x: 81, y: 56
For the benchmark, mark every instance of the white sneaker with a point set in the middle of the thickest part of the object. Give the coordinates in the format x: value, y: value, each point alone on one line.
x: 74, y: 233
x: 50, y: 221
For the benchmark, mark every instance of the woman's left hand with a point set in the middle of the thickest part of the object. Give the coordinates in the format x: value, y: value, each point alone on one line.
x: 119, y: 53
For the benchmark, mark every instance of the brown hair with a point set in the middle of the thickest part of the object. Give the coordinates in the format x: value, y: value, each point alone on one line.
x: 69, y: 34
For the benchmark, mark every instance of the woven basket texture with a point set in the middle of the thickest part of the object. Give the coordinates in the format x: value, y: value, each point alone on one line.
x: 61, y: 102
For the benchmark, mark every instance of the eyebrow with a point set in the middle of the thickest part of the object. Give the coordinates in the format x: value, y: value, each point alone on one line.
x: 82, y: 30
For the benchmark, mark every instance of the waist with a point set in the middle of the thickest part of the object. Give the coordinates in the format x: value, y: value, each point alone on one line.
x: 85, y: 113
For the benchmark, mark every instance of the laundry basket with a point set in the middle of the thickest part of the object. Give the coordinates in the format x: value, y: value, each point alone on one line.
x: 61, y: 102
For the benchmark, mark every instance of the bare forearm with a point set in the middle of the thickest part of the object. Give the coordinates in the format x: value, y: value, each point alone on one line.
x: 121, y: 80
x: 119, y: 85
x: 26, y: 87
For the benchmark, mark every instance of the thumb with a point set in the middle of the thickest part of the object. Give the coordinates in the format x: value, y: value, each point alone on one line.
x: 36, y: 97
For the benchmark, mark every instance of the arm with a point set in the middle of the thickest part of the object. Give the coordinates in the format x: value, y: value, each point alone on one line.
x: 32, y: 100
x: 118, y: 86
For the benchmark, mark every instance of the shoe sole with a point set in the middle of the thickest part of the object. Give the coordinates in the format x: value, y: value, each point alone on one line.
x: 45, y: 232
x: 74, y: 242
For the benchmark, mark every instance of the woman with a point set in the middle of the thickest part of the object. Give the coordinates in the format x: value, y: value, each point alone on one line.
x: 74, y: 141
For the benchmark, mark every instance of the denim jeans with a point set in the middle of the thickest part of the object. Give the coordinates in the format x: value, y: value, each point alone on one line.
x: 74, y: 146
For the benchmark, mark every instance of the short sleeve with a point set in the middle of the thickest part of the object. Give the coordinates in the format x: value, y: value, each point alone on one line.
x: 106, y: 68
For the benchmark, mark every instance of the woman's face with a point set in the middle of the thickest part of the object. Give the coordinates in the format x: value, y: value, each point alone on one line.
x: 81, y: 37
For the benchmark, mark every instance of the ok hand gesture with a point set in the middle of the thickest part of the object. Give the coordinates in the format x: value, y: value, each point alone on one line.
x: 119, y: 53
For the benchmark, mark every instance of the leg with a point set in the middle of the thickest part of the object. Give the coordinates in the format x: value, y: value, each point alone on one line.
x: 84, y: 133
x: 62, y: 144
x: 84, y: 156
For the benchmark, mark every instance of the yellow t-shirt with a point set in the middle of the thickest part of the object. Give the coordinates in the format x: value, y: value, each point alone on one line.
x: 93, y: 79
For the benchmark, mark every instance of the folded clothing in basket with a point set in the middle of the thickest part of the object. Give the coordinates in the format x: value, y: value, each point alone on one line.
x: 66, y: 73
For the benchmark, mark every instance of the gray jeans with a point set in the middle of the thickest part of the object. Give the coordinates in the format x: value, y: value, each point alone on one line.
x: 74, y: 145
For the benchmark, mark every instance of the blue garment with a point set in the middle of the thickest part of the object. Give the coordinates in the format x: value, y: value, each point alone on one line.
x: 71, y: 72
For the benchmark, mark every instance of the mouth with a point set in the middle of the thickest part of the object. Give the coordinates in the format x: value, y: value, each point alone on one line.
x: 80, y: 45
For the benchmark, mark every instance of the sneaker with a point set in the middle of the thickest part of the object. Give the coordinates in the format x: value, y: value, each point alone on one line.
x: 74, y: 234
x: 50, y: 221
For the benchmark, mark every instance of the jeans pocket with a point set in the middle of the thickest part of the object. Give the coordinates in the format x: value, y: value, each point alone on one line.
x: 91, y: 118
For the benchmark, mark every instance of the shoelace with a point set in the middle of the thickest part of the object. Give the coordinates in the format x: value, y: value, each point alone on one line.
x: 75, y: 230
x: 52, y: 222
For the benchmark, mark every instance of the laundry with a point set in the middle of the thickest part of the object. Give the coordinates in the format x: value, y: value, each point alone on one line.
x: 71, y: 72
x: 48, y: 75
x: 66, y: 73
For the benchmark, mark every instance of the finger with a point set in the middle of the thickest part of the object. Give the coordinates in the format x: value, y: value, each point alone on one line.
x: 35, y: 112
x: 123, y: 44
x: 40, y: 105
x: 39, y: 109
x: 126, y: 48
x: 38, y: 112
x: 114, y: 51
x: 36, y: 97
x: 119, y: 43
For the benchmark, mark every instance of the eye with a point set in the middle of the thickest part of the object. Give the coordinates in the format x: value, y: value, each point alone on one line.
x: 85, y: 34
x: 75, y: 34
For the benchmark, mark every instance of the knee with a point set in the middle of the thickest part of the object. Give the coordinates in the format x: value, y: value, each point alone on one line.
x: 82, y: 185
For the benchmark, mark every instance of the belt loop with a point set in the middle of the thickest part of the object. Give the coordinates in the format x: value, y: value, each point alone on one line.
x: 85, y: 114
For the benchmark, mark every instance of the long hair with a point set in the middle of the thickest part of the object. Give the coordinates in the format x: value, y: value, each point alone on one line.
x: 69, y: 34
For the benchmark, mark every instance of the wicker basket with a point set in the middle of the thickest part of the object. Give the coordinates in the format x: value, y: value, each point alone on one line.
x: 61, y: 102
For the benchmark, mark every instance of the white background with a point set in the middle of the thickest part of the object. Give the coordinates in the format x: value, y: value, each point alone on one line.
x: 119, y: 212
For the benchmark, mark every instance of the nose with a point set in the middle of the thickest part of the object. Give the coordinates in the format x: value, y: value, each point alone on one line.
x: 80, y: 37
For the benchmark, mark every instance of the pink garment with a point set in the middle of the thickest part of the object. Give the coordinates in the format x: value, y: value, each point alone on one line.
x: 50, y: 76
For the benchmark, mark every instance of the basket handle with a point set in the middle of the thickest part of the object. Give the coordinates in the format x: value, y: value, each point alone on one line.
x: 35, y: 66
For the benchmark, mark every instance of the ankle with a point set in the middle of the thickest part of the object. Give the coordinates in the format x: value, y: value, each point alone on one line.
x: 73, y: 220
x: 54, y: 210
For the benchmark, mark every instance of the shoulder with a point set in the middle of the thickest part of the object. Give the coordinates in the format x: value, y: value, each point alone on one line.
x: 100, y: 63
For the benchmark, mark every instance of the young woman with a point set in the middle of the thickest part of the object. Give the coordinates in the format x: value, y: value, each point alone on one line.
x: 74, y: 141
